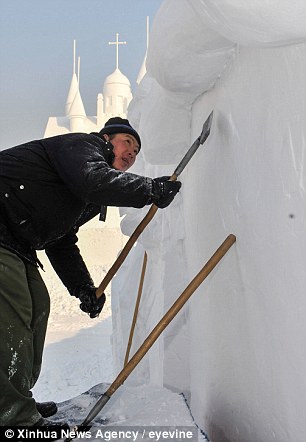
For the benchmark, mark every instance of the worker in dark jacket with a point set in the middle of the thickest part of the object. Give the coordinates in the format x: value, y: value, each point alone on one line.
x: 48, y: 189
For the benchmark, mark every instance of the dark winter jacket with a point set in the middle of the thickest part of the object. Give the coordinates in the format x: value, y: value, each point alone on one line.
x: 50, y: 187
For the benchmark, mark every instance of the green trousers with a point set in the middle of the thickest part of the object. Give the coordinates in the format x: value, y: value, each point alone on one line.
x: 24, y: 312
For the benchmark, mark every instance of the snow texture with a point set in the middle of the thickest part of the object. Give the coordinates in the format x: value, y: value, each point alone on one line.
x: 237, y: 348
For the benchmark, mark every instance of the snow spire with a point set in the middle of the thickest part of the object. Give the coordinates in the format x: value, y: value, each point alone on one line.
x: 148, y: 29
x: 74, y: 105
x: 143, y: 70
x: 73, y: 85
x: 117, y: 92
x: 74, y: 54
x: 117, y: 43
x: 79, y: 65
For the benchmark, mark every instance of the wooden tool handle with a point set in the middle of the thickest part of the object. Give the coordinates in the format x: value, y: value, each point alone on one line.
x: 172, y: 312
x: 126, y: 249
x: 131, y: 335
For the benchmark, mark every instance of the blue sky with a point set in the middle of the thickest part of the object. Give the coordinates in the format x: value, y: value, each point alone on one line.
x: 36, y: 50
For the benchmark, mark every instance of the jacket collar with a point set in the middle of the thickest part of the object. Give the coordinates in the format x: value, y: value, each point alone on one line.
x: 107, y: 148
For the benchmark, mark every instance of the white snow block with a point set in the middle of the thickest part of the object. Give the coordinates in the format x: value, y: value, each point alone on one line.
x: 256, y: 23
x: 164, y: 124
x: 184, y: 55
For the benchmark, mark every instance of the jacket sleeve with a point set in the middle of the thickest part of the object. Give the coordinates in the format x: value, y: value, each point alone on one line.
x: 82, y: 166
x: 68, y: 263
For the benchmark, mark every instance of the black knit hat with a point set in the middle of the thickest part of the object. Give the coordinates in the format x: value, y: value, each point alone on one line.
x: 119, y: 125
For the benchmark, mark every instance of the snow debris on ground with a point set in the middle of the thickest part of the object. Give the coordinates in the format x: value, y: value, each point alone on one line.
x: 146, y: 410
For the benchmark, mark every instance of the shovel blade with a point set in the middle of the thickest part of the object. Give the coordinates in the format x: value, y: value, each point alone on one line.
x: 206, y: 128
x: 200, y: 140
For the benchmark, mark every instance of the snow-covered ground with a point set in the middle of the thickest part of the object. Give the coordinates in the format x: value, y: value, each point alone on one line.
x: 78, y: 350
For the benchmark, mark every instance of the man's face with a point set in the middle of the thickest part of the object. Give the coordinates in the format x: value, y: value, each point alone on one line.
x: 125, y: 150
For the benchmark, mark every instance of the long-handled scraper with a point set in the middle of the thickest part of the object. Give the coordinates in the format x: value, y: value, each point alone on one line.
x: 153, y: 209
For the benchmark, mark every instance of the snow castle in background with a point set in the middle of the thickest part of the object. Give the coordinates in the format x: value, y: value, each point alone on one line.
x: 237, y: 349
x: 112, y: 102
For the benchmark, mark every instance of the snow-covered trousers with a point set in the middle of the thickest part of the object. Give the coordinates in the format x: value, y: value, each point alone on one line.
x: 24, y: 312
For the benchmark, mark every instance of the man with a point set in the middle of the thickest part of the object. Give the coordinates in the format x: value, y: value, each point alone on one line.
x: 48, y: 189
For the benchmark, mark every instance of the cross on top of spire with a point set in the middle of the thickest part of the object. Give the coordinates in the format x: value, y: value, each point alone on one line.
x: 117, y: 43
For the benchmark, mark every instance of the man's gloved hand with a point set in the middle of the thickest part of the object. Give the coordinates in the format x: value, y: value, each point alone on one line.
x: 89, y: 302
x: 164, y: 191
